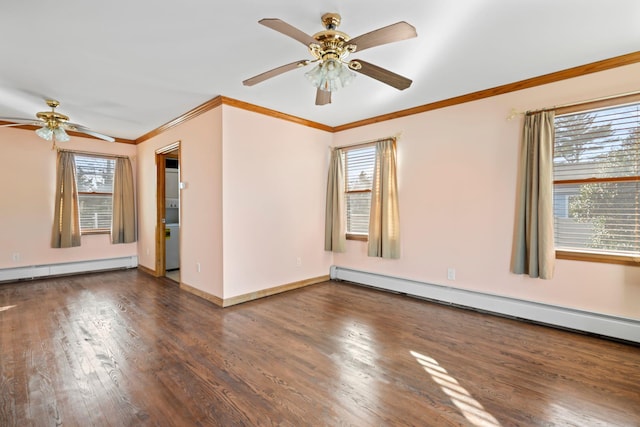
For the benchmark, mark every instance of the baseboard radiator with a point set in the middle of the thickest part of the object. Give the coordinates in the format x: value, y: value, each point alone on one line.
x: 584, y: 321
x: 46, y: 270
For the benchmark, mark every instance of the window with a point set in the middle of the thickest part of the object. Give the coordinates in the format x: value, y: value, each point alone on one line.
x: 94, y: 178
x: 597, y: 182
x: 358, y: 165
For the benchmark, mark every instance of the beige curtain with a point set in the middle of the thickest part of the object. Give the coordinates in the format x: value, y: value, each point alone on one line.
x: 123, y: 223
x: 334, y: 227
x: 534, y: 252
x: 384, y: 224
x: 66, y: 223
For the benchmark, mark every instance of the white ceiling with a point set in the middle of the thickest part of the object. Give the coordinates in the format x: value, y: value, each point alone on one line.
x: 125, y: 67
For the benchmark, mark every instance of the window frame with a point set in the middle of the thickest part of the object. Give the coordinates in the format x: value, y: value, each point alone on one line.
x: 362, y: 237
x: 586, y: 255
x: 92, y: 231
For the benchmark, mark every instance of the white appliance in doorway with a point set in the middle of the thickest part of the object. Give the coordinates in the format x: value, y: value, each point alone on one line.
x: 172, y: 248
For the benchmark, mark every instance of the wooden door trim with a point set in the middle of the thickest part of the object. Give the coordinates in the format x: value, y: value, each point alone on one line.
x: 160, y: 209
x: 161, y: 154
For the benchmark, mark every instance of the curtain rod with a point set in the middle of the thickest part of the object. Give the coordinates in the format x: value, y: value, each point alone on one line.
x: 514, y: 112
x: 395, y: 137
x: 89, y: 153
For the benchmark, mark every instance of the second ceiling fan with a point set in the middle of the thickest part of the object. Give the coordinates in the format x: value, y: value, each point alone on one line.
x: 330, y: 49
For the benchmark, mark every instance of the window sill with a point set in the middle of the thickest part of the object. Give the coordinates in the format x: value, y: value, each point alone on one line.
x: 359, y: 237
x: 596, y: 257
x: 96, y: 231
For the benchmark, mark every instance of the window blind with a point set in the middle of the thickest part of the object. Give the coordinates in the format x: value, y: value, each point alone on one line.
x: 94, y: 179
x: 359, y: 163
x: 597, y: 180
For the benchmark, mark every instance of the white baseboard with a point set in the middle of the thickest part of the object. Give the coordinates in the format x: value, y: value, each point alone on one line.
x: 595, y: 323
x: 38, y: 271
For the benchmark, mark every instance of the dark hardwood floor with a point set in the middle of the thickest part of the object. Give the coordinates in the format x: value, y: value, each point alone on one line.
x: 125, y: 349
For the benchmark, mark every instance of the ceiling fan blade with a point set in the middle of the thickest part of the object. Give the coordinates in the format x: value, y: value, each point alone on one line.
x: 323, y: 97
x: 15, y: 121
x: 288, y: 30
x: 275, y: 72
x: 389, y: 34
x: 383, y: 75
x: 81, y: 129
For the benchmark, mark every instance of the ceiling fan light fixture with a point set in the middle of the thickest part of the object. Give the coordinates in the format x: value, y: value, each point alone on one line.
x: 330, y: 49
x: 60, y: 135
x: 45, y: 133
x: 330, y: 75
x: 54, y: 124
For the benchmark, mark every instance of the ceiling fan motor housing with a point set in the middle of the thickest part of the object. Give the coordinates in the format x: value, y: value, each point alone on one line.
x: 52, y: 118
x: 332, y: 44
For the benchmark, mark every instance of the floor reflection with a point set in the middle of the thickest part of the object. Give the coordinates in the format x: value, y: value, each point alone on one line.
x: 472, y: 410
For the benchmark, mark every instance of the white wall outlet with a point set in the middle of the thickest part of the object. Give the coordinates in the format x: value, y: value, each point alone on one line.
x: 299, y: 261
x: 15, y: 256
x: 451, y: 273
x: 198, y: 267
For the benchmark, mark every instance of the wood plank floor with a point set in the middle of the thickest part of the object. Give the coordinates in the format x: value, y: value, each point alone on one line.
x: 123, y: 349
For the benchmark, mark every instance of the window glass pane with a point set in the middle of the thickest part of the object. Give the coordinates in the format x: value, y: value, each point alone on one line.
x: 95, y: 211
x: 359, y: 168
x: 359, y: 164
x: 358, y: 206
x: 598, y: 144
x: 95, y: 175
x: 602, y: 216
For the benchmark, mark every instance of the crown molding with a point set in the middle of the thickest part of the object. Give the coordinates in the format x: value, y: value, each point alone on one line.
x: 277, y: 114
x: 223, y: 100
x: 569, y: 73
x: 200, y: 109
x: 70, y: 132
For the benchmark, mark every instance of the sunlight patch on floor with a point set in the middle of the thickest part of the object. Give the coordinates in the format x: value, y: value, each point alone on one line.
x: 7, y: 307
x: 472, y: 410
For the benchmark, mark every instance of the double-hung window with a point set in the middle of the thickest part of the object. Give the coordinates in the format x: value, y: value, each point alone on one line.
x: 358, y: 166
x: 94, y: 180
x: 597, y: 183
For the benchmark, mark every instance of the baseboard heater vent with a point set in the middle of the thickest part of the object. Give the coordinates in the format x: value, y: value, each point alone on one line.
x: 39, y: 271
x: 594, y: 323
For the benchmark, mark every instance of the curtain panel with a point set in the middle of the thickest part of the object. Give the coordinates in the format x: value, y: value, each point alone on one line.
x: 534, y: 251
x: 334, y: 226
x: 66, y: 221
x: 123, y: 222
x: 384, y: 220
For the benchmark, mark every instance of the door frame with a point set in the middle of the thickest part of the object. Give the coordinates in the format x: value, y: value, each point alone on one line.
x: 170, y: 151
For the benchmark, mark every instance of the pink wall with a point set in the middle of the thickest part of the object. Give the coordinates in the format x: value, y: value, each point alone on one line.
x: 274, y: 185
x: 254, y: 201
x: 253, y: 205
x: 201, y: 200
x: 457, y: 178
x: 28, y: 177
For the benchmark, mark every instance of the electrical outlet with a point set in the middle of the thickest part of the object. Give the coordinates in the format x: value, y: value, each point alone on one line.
x: 15, y: 256
x: 298, y: 261
x: 451, y: 273
x: 198, y: 267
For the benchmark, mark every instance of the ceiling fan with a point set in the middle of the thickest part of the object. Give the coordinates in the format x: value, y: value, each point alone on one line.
x: 330, y: 49
x: 53, y: 125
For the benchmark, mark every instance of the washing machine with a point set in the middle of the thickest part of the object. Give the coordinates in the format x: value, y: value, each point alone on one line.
x: 172, y: 246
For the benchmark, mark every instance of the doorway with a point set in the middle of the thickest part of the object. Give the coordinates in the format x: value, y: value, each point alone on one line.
x: 168, y: 212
